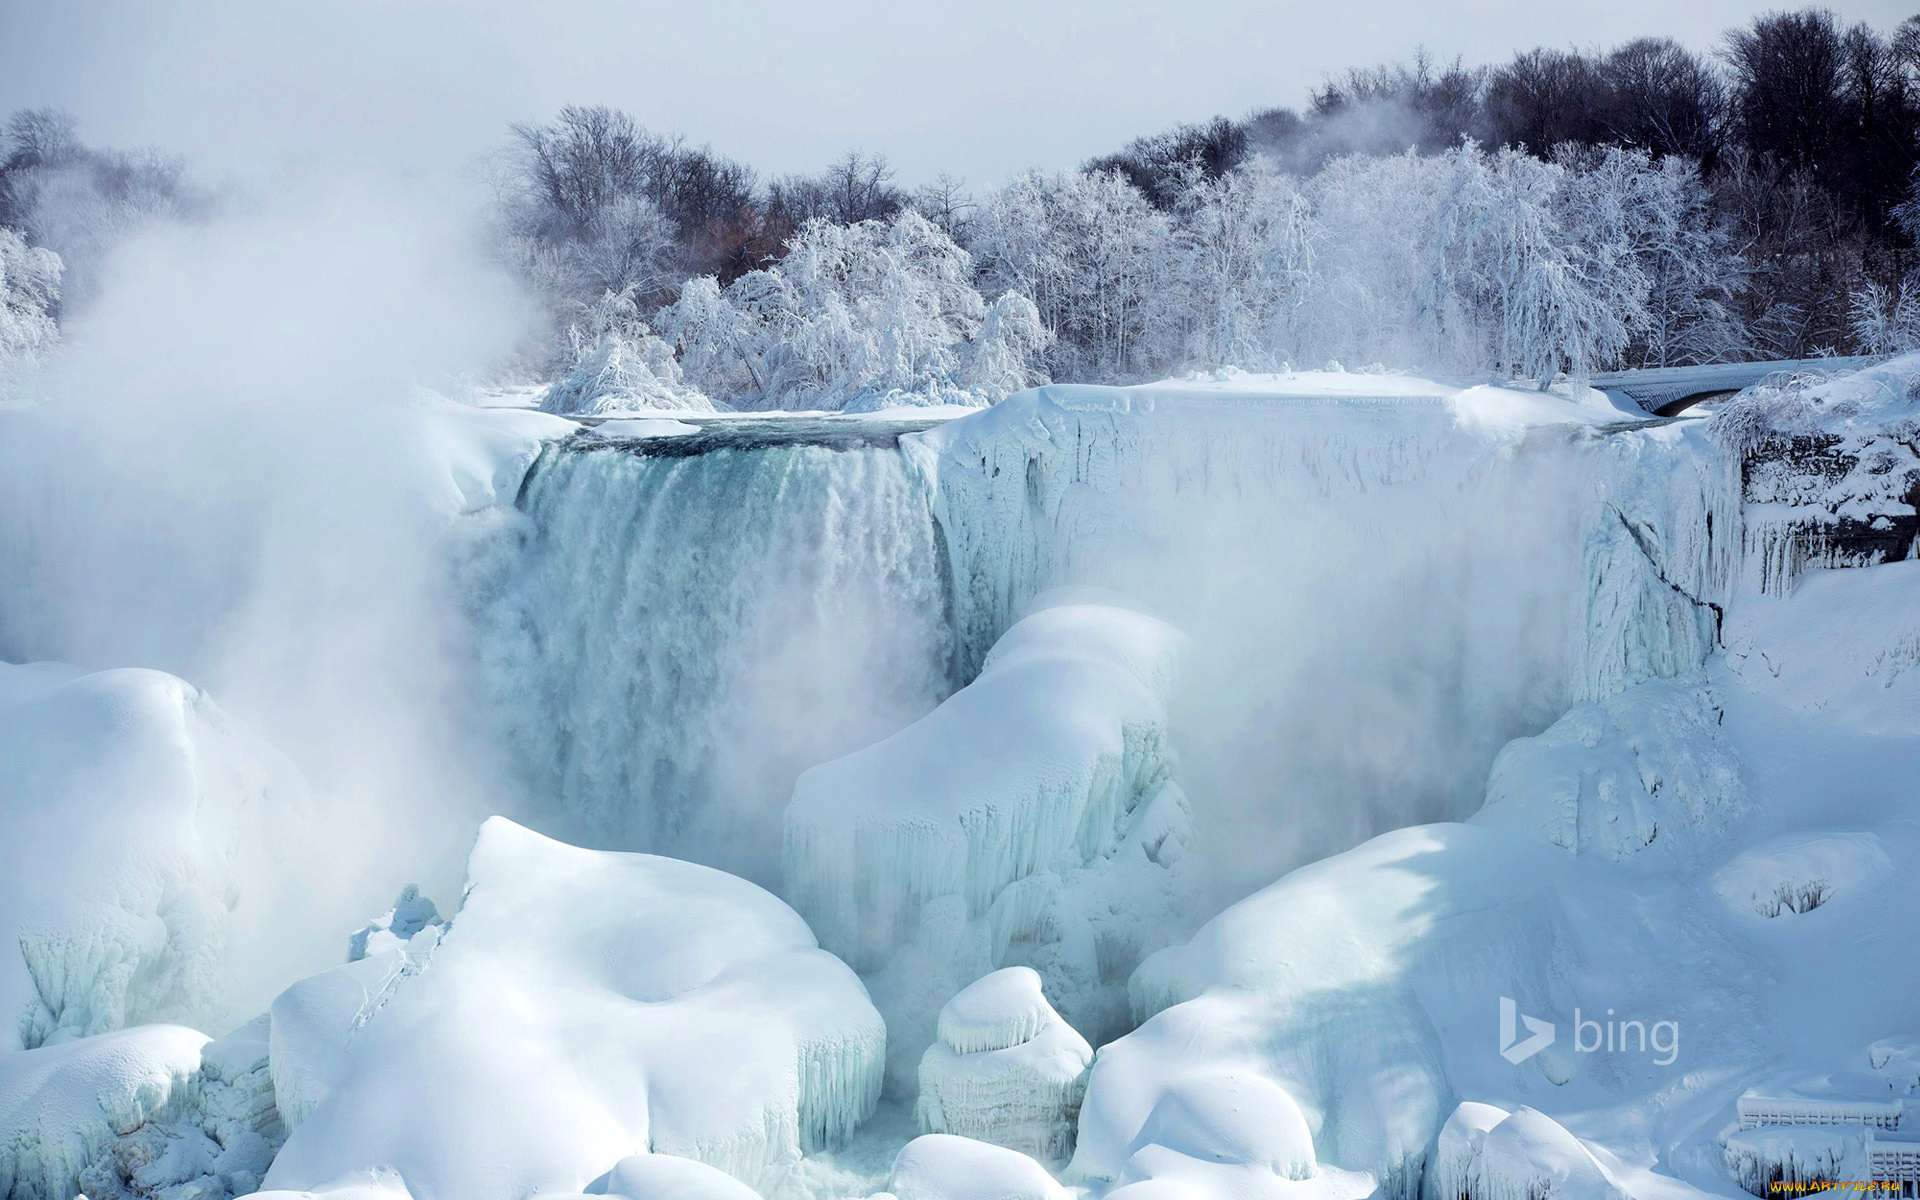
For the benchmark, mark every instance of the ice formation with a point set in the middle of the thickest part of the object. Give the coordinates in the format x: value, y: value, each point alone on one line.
x: 1831, y: 476
x: 1643, y: 771
x: 216, y: 1144
x: 142, y: 829
x: 1031, y: 818
x: 585, y: 1006
x: 939, y: 1166
x: 411, y: 915
x: 156, y: 1110
x: 1006, y: 1069
x: 62, y: 1105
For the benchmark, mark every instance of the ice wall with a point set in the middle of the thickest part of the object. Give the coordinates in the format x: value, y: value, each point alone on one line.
x: 672, y: 628
x: 1385, y: 578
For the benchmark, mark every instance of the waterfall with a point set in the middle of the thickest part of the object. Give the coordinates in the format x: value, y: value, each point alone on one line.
x: 676, y: 627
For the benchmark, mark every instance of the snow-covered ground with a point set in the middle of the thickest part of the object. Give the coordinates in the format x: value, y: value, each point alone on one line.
x: 1324, y: 785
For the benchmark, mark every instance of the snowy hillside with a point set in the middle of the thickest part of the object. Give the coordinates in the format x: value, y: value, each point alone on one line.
x: 1319, y: 784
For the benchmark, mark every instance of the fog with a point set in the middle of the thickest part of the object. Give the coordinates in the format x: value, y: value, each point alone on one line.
x: 422, y: 88
x: 228, y: 477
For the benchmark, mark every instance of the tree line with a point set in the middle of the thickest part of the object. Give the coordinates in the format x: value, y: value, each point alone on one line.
x: 1569, y: 210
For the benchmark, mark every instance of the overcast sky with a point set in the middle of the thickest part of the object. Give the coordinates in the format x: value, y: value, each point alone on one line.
x: 981, y: 88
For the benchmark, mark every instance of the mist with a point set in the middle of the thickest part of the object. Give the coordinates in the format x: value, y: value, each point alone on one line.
x: 230, y: 475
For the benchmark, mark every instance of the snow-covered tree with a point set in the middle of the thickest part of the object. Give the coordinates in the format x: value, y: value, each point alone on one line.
x: 1007, y: 351
x: 1244, y: 250
x: 29, y: 292
x: 1095, y: 258
x: 618, y: 364
x: 863, y: 314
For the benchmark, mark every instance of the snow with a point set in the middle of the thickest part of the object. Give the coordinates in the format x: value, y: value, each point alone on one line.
x: 940, y: 1166
x: 1006, y: 1070
x: 995, y: 1012
x: 62, y: 1105
x: 583, y: 1006
x: 666, y: 1177
x: 1844, y: 645
x: 1830, y: 469
x: 215, y: 1145
x: 639, y: 427
x: 1062, y: 837
x: 1528, y: 1156
x: 144, y: 831
x: 1644, y: 771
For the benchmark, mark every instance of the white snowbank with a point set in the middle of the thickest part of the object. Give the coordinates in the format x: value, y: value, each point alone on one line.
x: 144, y: 831
x: 940, y: 1166
x: 1006, y: 1070
x: 583, y: 1007
x: 1031, y: 818
x: 1645, y: 771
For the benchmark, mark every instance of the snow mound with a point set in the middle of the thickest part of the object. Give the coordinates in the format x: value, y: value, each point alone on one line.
x: 1457, y: 1149
x: 1645, y: 771
x: 139, y: 854
x: 1007, y: 1070
x: 1797, y: 873
x: 1318, y: 1009
x: 63, y: 1105
x: 996, y: 1012
x: 1031, y: 819
x: 583, y: 1006
x: 940, y: 1166
x: 1528, y: 1156
x: 667, y: 1177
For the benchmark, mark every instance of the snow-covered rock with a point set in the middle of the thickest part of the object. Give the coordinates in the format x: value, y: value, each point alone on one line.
x: 1321, y: 1028
x: 582, y: 1007
x: 940, y: 1166
x: 1031, y: 819
x: 1644, y: 771
x: 1006, y: 1070
x: 1830, y: 467
x: 142, y: 829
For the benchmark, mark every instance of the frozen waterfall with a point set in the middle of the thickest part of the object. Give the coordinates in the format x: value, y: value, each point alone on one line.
x: 673, y: 627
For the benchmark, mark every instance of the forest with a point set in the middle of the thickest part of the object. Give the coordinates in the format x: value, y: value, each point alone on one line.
x: 1568, y: 211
